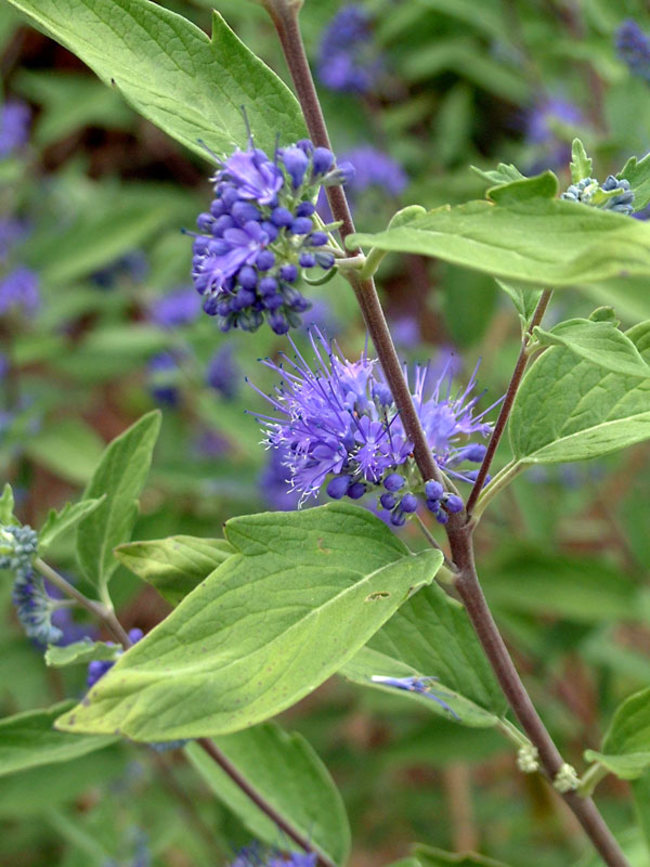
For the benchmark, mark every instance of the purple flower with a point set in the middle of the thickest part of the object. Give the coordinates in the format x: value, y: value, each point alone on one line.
x: 11, y: 231
x: 347, y: 60
x: 337, y: 425
x: 15, y: 118
x: 546, y: 115
x: 223, y: 373
x: 633, y: 48
x: 34, y: 608
x: 19, y: 292
x: 373, y: 168
x: 420, y: 685
x: 163, y: 378
x: 259, y: 232
x: 210, y: 444
x: 179, y: 307
x: 98, y: 668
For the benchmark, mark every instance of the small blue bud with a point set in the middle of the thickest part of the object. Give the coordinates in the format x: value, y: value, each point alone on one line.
x: 296, y: 162
x: 388, y: 501
x: 278, y: 322
x: 318, y: 239
x: 338, y: 487
x: 282, y: 217
x: 409, y: 503
x: 454, y: 504
x: 307, y: 260
x: 247, y: 277
x: 243, y: 212
x: 204, y: 222
x: 325, y: 260
x: 270, y: 230
x: 323, y: 160
x: 398, y: 518
x: 433, y: 490
x: 356, y: 490
x: 221, y: 224
x: 289, y: 273
x: 265, y: 260
x: 302, y: 226
x: 394, y: 482
x: 268, y: 286
x: 305, y: 209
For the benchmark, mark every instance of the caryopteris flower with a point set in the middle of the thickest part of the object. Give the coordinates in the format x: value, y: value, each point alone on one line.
x: 98, y: 667
x: 19, y: 292
x: 337, y: 426
x: 15, y: 118
x: 613, y: 195
x: 633, y: 47
x: 374, y: 168
x: 420, y: 685
x: 347, y: 60
x: 179, y: 307
x: 259, y: 233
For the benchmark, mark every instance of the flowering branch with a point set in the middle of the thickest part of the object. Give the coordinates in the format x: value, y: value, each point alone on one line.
x: 459, y: 529
x: 506, y: 406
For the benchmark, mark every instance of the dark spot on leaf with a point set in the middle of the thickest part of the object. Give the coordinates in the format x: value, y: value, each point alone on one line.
x: 322, y: 549
x: 379, y: 594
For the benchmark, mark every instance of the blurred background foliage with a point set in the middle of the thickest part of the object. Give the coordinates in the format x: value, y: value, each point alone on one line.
x: 92, y: 204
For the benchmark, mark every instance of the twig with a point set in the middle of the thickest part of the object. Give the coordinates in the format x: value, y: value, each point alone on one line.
x: 506, y: 406
x: 97, y: 609
x: 226, y: 765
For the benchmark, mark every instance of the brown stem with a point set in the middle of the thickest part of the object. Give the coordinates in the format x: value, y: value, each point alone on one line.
x: 227, y: 766
x: 506, y: 406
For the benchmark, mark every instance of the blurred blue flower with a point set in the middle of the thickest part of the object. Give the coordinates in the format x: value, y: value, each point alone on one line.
x: 259, y: 233
x: 374, y: 168
x: 544, y: 117
x: 15, y: 118
x: 179, y: 307
x: 633, y: 48
x: 275, y: 483
x: 11, y: 231
x: 98, y: 668
x: 223, y: 373
x: 338, y: 425
x: 256, y: 856
x: 163, y: 378
x: 347, y: 60
x: 133, y: 265
x: 19, y: 292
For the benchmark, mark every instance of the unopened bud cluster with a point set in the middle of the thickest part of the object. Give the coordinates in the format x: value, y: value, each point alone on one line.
x: 613, y: 195
x: 34, y: 607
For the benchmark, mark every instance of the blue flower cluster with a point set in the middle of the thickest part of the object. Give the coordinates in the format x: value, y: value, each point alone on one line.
x: 613, y: 195
x: 19, y: 292
x: 347, y: 60
x: 633, y: 47
x: 98, y: 667
x: 420, y: 685
x: 374, y: 168
x: 34, y: 607
x: 338, y: 427
x: 15, y: 118
x: 259, y: 232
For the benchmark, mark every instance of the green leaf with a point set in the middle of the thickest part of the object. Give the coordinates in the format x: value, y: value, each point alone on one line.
x: 580, y: 162
x: 70, y: 448
x: 626, y: 746
x: 175, y: 566
x: 431, y: 636
x: 58, y: 522
x: 524, y: 298
x: 286, y: 771
x: 569, y: 410
x: 189, y: 85
x: 7, y: 505
x: 81, y: 652
x: 544, y: 186
x: 29, y: 739
x: 641, y: 794
x: 429, y: 856
x: 120, y: 476
x: 505, y: 173
x: 601, y: 343
x: 638, y: 174
x: 539, y: 241
x: 303, y: 593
